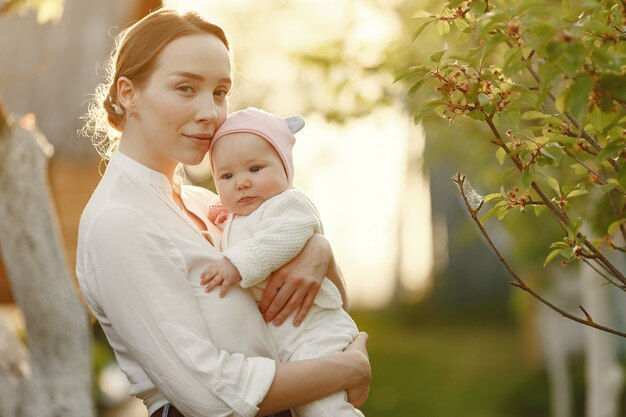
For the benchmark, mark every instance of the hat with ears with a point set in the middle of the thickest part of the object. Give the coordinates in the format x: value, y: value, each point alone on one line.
x: 277, y: 131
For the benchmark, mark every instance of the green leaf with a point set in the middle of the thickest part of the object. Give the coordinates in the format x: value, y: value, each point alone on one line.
x: 436, y: 57
x: 528, y: 176
x: 425, y: 108
x: 615, y: 85
x: 491, y: 211
x: 577, y: 96
x: 553, y: 152
x: 551, y: 256
x: 420, y: 29
x: 477, y: 7
x: 442, y: 27
x: 559, y: 244
x: 492, y: 196
x: 483, y: 99
x: 567, y: 253
x: 559, y: 138
x: 508, y: 119
x: 415, y: 70
x: 502, y: 211
x: 477, y: 115
x: 491, y: 44
x: 554, y: 184
x: 501, y: 155
x: 574, y: 226
x: 533, y: 115
x: 572, y: 59
x: 621, y: 178
x: 605, y: 188
x: 539, y: 209
x: 422, y: 14
x: 604, y: 59
x: 493, y: 21
x: 600, y: 120
x: 529, y: 4
x: 539, y: 35
x: 507, y: 173
x: 613, y: 226
x: 416, y: 86
x: 461, y: 24
x: 612, y: 149
x: 512, y: 59
x: 576, y: 193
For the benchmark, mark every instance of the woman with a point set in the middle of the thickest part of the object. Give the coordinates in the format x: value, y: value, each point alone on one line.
x: 143, y: 242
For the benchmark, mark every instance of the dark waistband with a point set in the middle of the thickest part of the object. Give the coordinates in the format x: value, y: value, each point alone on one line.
x: 168, y: 410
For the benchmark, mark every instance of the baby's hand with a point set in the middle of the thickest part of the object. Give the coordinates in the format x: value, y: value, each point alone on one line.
x: 221, y: 272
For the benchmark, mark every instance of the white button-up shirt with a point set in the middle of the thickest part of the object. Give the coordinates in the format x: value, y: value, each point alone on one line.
x: 138, y: 265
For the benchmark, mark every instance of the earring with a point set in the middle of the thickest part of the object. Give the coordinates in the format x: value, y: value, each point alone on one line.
x: 116, y: 107
x: 133, y: 115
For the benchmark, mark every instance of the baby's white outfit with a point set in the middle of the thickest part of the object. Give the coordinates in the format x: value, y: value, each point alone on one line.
x: 263, y: 241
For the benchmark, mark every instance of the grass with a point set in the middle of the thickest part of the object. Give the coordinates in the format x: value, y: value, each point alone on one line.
x: 469, y: 368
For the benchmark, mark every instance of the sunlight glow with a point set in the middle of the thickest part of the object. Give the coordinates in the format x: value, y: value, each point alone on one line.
x: 376, y: 213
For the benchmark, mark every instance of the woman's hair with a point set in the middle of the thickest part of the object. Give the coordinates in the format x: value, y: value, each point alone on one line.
x: 134, y: 56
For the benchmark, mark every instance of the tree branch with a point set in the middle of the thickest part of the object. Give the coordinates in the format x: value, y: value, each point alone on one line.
x: 559, y: 214
x: 592, y: 266
x: 460, y: 180
x: 573, y: 120
x: 588, y: 168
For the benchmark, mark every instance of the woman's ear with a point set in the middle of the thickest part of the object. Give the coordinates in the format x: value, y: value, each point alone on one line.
x: 126, y: 94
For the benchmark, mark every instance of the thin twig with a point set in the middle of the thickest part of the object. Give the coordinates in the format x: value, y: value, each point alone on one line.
x: 459, y: 179
x: 592, y: 266
x: 587, y: 167
x: 589, y: 319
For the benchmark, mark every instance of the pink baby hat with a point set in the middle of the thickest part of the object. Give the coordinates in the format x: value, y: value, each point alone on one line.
x: 276, y: 131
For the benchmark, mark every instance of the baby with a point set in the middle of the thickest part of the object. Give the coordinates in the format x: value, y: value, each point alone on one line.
x: 268, y: 223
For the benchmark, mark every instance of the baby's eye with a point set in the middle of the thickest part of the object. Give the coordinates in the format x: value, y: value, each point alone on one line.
x: 255, y: 168
x: 227, y: 176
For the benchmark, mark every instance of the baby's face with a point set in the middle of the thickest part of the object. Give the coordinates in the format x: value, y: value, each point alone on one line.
x: 247, y: 171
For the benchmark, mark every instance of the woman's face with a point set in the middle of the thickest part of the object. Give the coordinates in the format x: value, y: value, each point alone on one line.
x: 183, y: 102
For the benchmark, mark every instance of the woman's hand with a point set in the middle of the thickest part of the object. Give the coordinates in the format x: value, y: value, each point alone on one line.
x: 360, y: 387
x: 295, y: 284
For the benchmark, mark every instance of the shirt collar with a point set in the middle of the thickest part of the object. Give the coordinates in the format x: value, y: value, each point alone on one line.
x: 136, y: 169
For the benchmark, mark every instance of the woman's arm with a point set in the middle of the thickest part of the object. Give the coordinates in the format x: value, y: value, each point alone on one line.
x: 336, y: 277
x: 301, y: 382
x: 135, y: 281
x: 295, y: 284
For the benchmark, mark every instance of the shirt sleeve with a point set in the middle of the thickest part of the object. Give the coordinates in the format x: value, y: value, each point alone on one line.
x: 138, y: 277
x: 286, y: 223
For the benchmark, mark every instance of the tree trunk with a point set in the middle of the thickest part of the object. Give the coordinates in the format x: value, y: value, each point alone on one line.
x: 57, y: 323
x: 14, y: 370
x: 55, y: 66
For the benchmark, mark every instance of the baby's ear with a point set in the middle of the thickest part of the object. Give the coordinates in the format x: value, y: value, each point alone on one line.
x: 294, y: 123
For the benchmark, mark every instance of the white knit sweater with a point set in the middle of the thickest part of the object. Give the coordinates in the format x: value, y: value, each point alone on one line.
x: 272, y: 235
